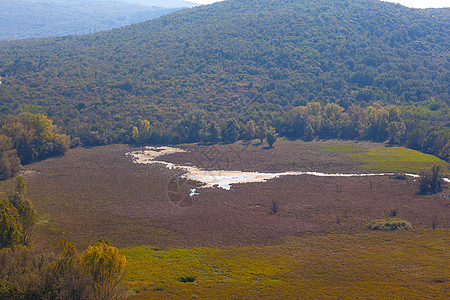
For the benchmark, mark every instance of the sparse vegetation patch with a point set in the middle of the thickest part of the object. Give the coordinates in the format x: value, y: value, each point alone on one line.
x: 389, y: 224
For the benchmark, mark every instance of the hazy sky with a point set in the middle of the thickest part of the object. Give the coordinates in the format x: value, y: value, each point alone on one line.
x: 410, y: 3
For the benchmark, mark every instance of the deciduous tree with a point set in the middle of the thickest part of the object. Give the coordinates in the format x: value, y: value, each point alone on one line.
x: 105, y: 266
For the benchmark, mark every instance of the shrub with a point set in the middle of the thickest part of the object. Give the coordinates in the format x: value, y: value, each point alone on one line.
x: 188, y: 278
x: 389, y: 224
x: 75, y: 142
x: 400, y: 176
x: 431, y: 180
x: 274, y: 207
x: 393, y: 212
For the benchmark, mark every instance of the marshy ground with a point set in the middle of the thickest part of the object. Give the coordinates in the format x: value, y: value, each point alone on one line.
x: 315, y: 245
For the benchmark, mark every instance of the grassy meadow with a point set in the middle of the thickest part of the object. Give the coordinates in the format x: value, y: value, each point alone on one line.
x: 229, y: 245
x: 403, y: 265
x: 397, y: 159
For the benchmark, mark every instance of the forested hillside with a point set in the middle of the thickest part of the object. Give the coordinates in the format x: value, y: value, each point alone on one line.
x: 204, y: 72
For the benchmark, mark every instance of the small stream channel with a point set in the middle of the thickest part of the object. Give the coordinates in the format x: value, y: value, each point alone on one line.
x: 225, y: 179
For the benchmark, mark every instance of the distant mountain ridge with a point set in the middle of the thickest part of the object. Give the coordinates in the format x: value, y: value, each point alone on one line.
x: 149, y: 3
x: 162, y: 3
x: 38, y: 18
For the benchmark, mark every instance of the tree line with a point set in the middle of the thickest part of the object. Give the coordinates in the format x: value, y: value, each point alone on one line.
x: 375, y: 122
x: 27, y: 138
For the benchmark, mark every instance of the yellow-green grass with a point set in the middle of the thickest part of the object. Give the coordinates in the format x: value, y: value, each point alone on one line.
x: 340, y: 148
x: 395, y: 265
x: 397, y: 159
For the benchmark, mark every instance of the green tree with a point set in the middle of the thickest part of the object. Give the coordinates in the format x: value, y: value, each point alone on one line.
x: 214, y: 133
x: 249, y: 130
x: 415, y: 138
x: 20, y: 186
x: 271, y: 136
x: 24, y: 139
x: 230, y: 133
x: 445, y: 152
x: 309, y: 133
x: 27, y: 215
x: 396, y: 133
x: 141, y: 133
x: 17, y: 217
x: 10, y: 227
x: 262, y: 131
x: 298, y: 118
x: 95, y: 138
x: 332, y: 118
x: 376, y: 123
x: 40, y: 124
x: 61, y: 143
x: 33, y: 137
x: 431, y: 180
x: 65, y: 278
x: 9, y: 161
x: 195, y: 123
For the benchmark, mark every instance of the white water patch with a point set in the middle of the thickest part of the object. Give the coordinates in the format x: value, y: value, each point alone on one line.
x: 224, y: 179
x: 193, y: 192
x: 148, y: 155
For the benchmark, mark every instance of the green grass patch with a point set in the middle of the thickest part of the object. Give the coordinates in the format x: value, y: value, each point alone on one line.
x: 397, y: 159
x: 368, y: 265
x: 340, y: 148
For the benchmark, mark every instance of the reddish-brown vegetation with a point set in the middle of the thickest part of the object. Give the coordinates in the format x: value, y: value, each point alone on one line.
x: 99, y: 193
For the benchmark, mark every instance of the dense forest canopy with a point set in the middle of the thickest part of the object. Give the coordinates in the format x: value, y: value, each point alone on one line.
x: 249, y: 60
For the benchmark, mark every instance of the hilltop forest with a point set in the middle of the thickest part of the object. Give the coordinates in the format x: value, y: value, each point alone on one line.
x: 238, y: 69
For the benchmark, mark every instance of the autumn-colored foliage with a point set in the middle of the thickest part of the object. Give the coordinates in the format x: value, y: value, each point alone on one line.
x: 105, y: 267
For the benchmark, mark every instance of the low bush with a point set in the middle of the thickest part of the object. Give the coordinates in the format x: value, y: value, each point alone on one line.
x: 188, y: 278
x: 389, y: 224
x: 400, y: 176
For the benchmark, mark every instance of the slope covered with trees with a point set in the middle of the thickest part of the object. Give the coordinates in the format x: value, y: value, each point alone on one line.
x: 198, y: 73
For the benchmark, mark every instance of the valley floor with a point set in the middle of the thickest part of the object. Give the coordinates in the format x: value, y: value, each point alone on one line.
x: 232, y: 244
